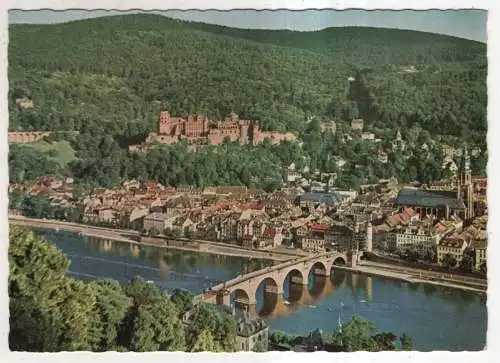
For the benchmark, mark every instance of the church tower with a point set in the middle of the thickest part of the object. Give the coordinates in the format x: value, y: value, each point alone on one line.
x: 465, y: 186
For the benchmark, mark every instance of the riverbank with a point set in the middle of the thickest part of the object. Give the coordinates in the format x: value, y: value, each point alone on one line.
x: 414, y: 277
x: 133, y: 237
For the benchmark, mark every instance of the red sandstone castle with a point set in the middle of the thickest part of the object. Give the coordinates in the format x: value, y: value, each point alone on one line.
x: 199, y: 130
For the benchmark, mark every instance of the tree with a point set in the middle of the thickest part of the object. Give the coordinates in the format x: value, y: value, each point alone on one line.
x: 183, y: 299
x: 449, y: 261
x: 205, y: 342
x: 43, y: 299
x: 221, y: 325
x: 406, y: 342
x: 385, y: 341
x: 158, y: 327
x: 467, y: 262
x: 356, y: 335
x: 111, y: 306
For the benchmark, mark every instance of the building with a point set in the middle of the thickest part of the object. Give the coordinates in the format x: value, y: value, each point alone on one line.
x: 370, y: 136
x: 382, y: 157
x: 22, y: 137
x: 314, y: 240
x: 155, y: 222
x: 465, y: 189
x: 314, y: 199
x: 441, y: 204
x: 329, y: 127
x: 252, y: 333
x: 199, y: 130
x: 272, y: 237
x: 452, y: 246
x: 357, y: 124
x: 415, y: 236
x: 479, y: 247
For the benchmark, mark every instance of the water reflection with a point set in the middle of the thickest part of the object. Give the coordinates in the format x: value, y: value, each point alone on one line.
x: 435, y: 317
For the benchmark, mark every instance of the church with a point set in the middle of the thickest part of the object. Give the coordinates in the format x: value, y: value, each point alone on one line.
x: 443, y: 203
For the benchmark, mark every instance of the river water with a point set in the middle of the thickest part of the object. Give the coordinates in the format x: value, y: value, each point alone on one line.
x: 436, y: 318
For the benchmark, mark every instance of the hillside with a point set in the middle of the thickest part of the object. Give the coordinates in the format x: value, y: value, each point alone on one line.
x: 119, y: 71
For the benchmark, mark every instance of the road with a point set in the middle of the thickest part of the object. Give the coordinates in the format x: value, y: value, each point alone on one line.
x: 131, y: 236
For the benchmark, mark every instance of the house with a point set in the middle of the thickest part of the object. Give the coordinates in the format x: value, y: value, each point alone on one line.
x: 382, y: 157
x: 315, y: 239
x: 415, y: 236
x: 272, y: 237
x: 313, y: 199
x: 183, y: 226
x: 454, y: 246
x: 155, y: 222
x: 357, y: 124
x: 136, y: 218
x: 252, y: 333
x: 107, y: 215
x: 370, y: 136
x: 479, y: 247
x: 244, y: 227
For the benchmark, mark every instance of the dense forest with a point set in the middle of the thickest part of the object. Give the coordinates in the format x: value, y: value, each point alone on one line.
x: 52, y: 312
x: 109, y: 77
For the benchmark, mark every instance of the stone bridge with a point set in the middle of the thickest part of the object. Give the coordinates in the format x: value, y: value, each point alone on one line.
x: 244, y: 287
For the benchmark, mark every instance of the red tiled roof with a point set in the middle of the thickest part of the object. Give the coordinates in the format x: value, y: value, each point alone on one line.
x: 269, y: 232
x: 319, y: 227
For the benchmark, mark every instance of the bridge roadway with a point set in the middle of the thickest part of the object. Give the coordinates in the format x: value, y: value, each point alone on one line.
x: 244, y: 287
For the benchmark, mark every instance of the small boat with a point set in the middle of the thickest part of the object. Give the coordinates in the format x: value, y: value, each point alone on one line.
x: 150, y: 282
x: 341, y: 304
x: 312, y: 306
x: 362, y: 301
x: 286, y: 302
x: 331, y: 309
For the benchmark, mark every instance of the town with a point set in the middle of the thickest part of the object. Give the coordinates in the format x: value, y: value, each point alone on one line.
x: 440, y: 222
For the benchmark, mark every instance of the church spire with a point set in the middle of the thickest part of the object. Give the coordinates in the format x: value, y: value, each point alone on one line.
x: 466, y: 160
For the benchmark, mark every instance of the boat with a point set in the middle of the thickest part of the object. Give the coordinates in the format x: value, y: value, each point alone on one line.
x: 312, y: 306
x: 286, y: 302
x: 362, y: 301
x: 150, y: 282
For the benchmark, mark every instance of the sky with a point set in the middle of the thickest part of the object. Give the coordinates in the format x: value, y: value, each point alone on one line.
x: 469, y: 24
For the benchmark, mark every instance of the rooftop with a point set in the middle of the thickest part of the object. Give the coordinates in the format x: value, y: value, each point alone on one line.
x: 429, y: 198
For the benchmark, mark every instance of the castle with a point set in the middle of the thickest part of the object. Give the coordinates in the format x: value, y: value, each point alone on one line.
x: 199, y: 130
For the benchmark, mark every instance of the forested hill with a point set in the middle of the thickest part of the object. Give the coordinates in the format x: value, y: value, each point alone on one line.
x: 122, y: 69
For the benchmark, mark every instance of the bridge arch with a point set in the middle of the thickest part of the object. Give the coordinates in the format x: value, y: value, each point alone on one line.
x: 240, y: 298
x: 319, y: 268
x: 269, y: 289
x: 339, y: 260
x: 293, y: 283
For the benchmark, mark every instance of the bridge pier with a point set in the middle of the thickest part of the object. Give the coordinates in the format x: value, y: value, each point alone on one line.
x: 224, y: 298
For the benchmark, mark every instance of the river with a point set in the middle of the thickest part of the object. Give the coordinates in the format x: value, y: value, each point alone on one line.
x: 437, y: 318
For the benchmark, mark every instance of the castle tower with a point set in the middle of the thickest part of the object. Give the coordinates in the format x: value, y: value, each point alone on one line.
x: 244, y: 136
x: 369, y: 237
x: 164, y: 123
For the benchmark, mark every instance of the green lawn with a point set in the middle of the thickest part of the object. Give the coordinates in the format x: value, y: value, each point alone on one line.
x: 64, y: 153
